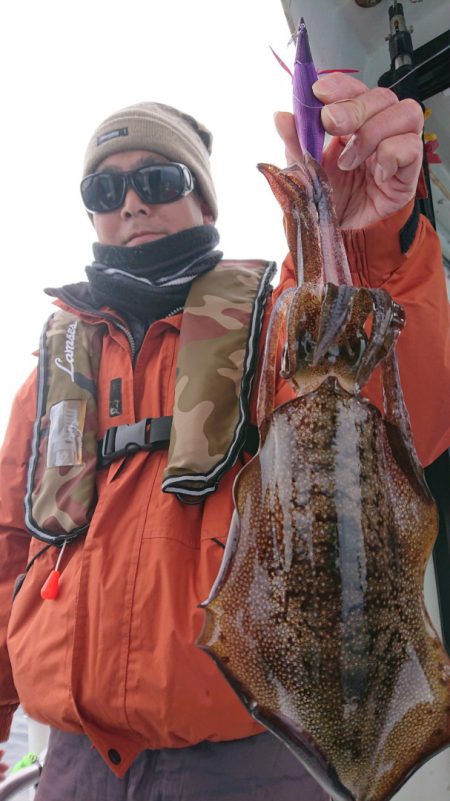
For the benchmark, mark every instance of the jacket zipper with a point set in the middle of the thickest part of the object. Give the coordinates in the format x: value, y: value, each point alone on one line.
x: 175, y: 311
x: 127, y: 333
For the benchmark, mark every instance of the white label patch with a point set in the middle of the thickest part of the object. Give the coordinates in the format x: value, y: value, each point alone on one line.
x: 65, y: 436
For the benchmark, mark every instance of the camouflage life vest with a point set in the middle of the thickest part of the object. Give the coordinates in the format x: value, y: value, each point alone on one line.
x: 216, y: 363
x: 60, y: 495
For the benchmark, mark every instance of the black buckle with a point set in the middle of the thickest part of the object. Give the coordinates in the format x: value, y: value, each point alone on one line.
x: 124, y: 440
x: 148, y: 434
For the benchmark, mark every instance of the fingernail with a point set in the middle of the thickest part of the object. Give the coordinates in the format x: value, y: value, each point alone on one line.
x: 337, y: 115
x: 349, y: 156
x: 325, y: 83
x: 379, y: 174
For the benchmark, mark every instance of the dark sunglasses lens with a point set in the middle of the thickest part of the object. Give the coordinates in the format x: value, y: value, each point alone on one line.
x: 159, y: 184
x: 102, y: 191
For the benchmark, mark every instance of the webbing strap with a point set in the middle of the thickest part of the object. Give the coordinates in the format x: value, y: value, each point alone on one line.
x: 149, y: 434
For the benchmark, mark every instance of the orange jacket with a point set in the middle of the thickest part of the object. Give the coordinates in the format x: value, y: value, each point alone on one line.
x: 114, y: 656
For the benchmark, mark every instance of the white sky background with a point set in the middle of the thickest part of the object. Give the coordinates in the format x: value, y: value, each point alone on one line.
x: 64, y: 69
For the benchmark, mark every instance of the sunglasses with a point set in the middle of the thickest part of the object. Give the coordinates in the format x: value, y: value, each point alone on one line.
x: 156, y: 183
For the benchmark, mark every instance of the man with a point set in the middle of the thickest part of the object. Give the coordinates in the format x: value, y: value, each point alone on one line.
x: 108, y: 658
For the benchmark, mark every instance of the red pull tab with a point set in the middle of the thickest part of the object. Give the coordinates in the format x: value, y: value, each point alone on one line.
x: 50, y: 588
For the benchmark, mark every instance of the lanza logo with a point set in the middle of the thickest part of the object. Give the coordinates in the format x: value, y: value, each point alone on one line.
x: 69, y: 352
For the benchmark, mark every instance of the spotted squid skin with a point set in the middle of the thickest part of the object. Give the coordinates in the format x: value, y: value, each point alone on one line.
x: 317, y: 616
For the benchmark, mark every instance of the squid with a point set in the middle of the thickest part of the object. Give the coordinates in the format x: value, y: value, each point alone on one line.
x: 316, y: 618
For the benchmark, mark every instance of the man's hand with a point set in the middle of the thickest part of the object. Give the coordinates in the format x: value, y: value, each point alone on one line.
x: 3, y: 767
x: 375, y: 155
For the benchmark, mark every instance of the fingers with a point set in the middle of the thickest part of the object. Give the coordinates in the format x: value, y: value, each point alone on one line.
x: 348, y: 116
x: 367, y: 118
x: 338, y: 86
x: 399, y: 156
x: 382, y: 126
x: 285, y: 125
x: 349, y: 104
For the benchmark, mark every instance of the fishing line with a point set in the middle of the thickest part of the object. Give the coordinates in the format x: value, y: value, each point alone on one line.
x: 430, y: 58
x: 306, y: 105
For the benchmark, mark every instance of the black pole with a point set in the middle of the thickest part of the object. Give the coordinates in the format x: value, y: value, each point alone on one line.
x: 403, y: 80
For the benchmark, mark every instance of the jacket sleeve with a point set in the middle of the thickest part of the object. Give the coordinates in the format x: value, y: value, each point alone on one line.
x: 415, y: 279
x: 14, y: 539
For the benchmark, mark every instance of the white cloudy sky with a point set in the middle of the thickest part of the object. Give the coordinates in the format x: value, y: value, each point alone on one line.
x: 66, y: 67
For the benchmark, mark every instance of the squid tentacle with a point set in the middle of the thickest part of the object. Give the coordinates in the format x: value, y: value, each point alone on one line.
x: 266, y: 394
x: 293, y: 189
x: 336, y: 307
x: 302, y: 317
x: 399, y: 432
x: 335, y: 262
x: 385, y: 324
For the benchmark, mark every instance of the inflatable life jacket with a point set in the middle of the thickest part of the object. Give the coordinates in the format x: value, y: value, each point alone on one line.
x: 216, y: 363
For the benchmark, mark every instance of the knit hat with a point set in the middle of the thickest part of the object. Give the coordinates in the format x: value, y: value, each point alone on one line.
x: 161, y: 129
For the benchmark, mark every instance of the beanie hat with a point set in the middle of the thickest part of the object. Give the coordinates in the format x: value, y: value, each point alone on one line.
x: 161, y: 129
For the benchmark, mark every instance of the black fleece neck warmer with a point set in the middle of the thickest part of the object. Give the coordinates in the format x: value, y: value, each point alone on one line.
x: 152, y: 280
